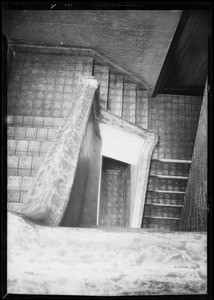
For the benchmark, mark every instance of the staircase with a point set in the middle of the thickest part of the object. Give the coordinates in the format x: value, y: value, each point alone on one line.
x: 165, y: 194
x: 39, y: 93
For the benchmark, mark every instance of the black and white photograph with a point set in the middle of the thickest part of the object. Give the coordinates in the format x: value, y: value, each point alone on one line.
x: 106, y: 149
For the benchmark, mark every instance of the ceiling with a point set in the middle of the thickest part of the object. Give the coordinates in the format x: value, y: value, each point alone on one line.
x: 136, y: 40
x: 186, y: 65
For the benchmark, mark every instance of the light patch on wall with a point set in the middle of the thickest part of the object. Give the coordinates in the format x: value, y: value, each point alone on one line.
x: 120, y: 145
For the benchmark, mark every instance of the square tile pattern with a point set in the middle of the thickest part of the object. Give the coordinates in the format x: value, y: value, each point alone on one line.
x: 175, y: 118
x: 141, y: 115
x: 42, y: 85
x: 129, y: 102
x: 115, y: 100
x: 40, y: 92
x: 101, y: 73
x: 112, y: 206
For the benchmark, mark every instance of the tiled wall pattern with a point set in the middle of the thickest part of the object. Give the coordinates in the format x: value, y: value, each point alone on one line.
x: 142, y: 109
x: 40, y: 91
x: 28, y: 133
x: 27, y: 148
x: 175, y: 118
x: 115, y: 100
x: 23, y: 165
x: 129, y: 102
x: 112, y: 200
x: 42, y: 85
x: 35, y: 122
x: 18, y: 187
x: 101, y: 73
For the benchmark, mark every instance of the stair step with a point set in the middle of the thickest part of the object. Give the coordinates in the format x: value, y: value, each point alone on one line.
x: 115, y: 100
x: 129, y: 102
x: 160, y: 211
x: 165, y: 191
x: 169, y: 224
x: 27, y: 148
x: 31, y: 121
x: 170, y: 169
x: 161, y: 218
x: 164, y: 198
x: 101, y: 73
x: 180, y: 161
x: 164, y: 205
x: 166, y: 184
x: 169, y: 177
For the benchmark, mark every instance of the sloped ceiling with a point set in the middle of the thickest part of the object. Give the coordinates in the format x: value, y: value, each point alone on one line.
x: 136, y: 40
x: 185, y: 68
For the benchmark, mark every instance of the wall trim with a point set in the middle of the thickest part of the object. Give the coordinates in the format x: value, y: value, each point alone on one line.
x: 82, y: 51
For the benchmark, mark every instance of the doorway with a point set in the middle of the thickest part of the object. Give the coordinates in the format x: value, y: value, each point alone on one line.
x: 114, y: 193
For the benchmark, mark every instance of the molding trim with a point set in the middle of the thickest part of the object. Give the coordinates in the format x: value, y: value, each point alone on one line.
x: 82, y: 51
x: 140, y: 170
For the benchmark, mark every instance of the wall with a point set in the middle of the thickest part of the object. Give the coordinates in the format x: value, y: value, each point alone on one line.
x: 90, y: 207
x: 185, y: 67
x: 113, y: 193
x: 136, y: 40
x: 119, y: 144
x: 101, y: 262
x: 42, y: 85
x: 194, y: 212
x: 82, y: 190
x: 175, y: 118
x: 127, y: 195
x: 133, y: 145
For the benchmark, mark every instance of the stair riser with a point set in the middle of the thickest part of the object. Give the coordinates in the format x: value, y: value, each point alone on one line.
x: 162, y: 211
x: 164, y: 198
x: 169, y: 169
x: 167, y: 184
x: 160, y: 224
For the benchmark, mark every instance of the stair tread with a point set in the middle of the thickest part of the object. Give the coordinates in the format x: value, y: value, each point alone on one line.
x: 163, y: 205
x: 169, y: 176
x: 166, y: 191
x: 162, y: 218
x: 163, y: 160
